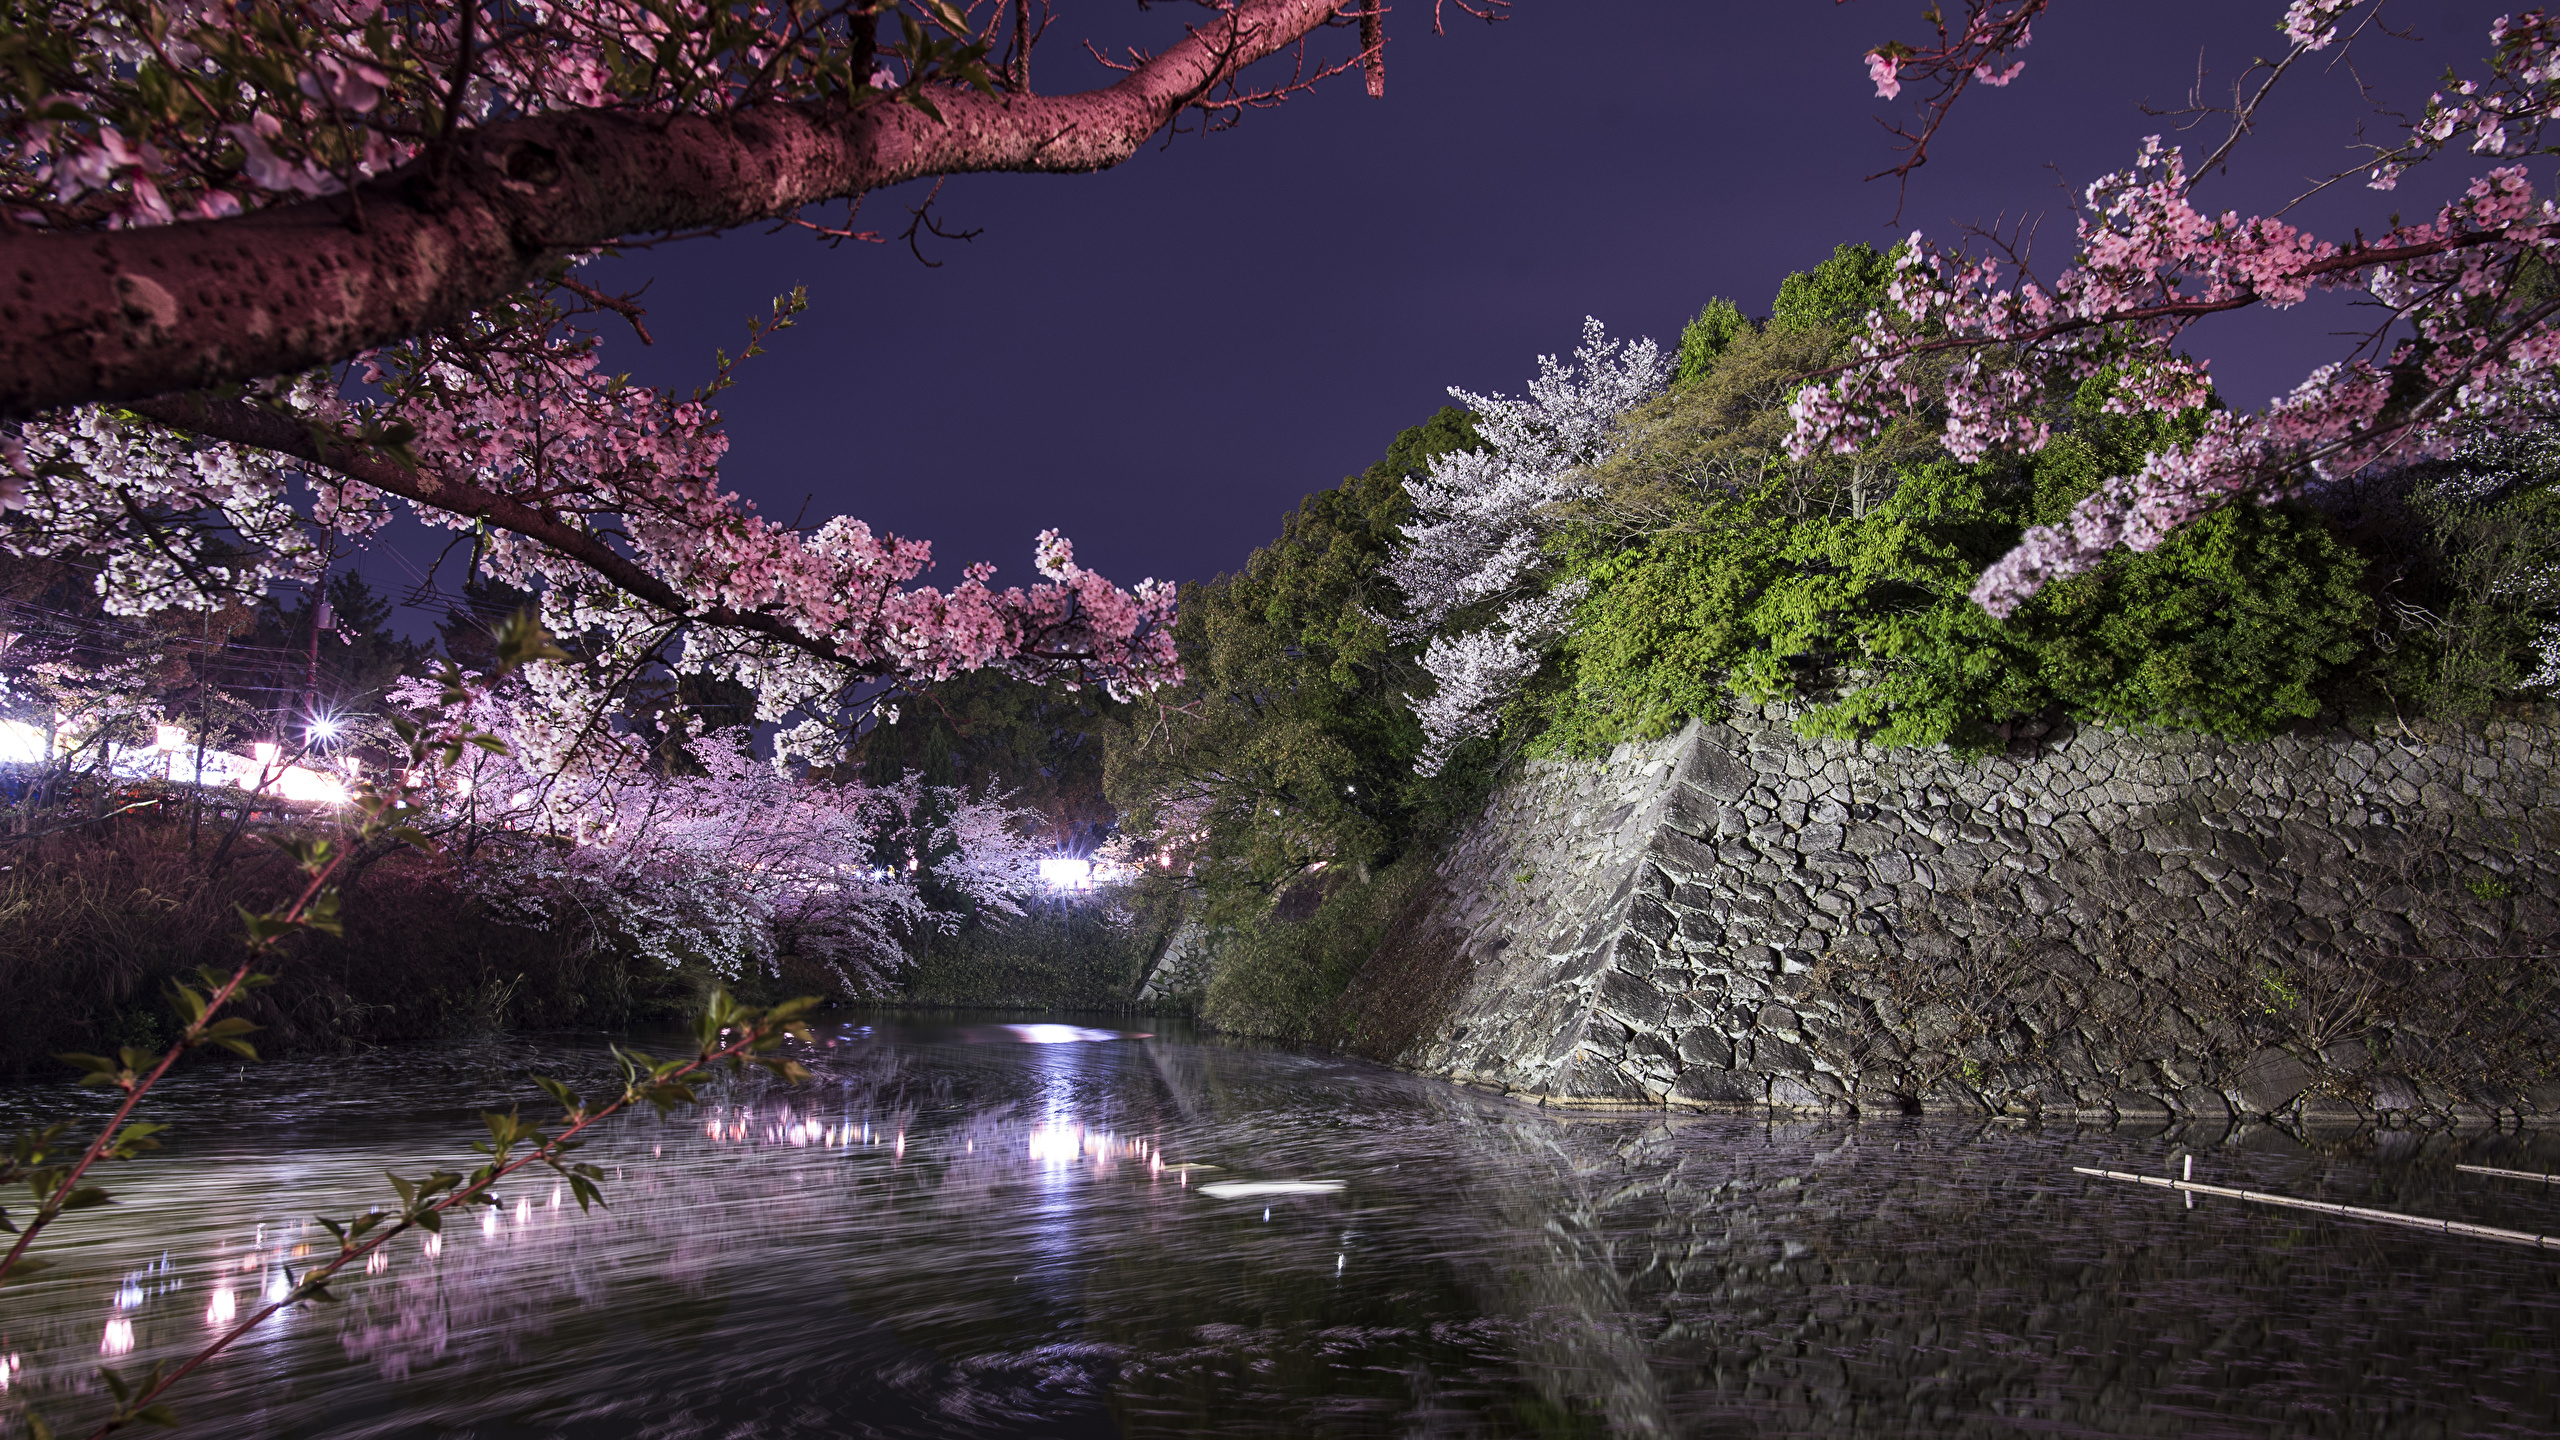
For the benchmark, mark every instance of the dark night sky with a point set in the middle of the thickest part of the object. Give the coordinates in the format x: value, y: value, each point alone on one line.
x: 1162, y: 359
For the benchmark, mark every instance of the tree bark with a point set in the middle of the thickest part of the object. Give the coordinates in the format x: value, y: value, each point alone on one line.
x: 124, y: 314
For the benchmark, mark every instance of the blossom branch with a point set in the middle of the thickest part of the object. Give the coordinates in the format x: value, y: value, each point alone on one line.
x: 137, y: 312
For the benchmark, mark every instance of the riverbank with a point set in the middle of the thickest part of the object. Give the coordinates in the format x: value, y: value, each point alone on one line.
x: 96, y: 922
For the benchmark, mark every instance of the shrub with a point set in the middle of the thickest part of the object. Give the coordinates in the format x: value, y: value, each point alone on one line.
x: 95, y: 922
x: 1062, y: 956
x: 1276, y: 980
x: 2229, y: 628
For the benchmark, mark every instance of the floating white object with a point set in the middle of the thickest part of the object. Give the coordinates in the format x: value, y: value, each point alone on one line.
x: 1058, y: 1034
x: 2509, y: 1174
x: 2323, y: 1207
x: 1245, y: 1189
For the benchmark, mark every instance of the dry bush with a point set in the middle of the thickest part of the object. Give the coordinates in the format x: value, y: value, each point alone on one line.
x: 96, y: 921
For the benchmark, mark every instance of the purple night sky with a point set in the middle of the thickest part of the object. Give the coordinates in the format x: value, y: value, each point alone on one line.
x: 1164, y: 358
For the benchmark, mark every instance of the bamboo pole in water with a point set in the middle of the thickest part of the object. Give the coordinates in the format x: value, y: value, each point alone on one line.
x: 2510, y: 1174
x: 2349, y: 1212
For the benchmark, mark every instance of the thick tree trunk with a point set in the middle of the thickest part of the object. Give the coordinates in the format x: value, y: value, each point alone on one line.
x: 123, y: 314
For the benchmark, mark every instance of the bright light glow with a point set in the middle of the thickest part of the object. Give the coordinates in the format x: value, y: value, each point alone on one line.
x: 264, y: 752
x: 324, y: 728
x: 168, y: 737
x: 278, y: 1287
x: 311, y: 786
x: 1065, y: 872
x: 20, y: 743
x: 1055, y: 1144
x: 119, y: 1337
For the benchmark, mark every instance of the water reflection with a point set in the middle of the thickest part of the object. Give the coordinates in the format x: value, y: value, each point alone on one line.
x: 955, y: 1230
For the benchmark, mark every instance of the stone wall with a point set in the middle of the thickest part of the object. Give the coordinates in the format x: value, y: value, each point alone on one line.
x: 1180, y: 971
x: 2339, y: 927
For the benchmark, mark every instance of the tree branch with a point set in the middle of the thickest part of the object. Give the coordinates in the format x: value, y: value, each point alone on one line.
x: 127, y: 314
x: 241, y: 422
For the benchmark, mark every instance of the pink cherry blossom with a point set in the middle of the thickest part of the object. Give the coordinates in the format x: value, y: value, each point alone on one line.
x: 2459, y: 346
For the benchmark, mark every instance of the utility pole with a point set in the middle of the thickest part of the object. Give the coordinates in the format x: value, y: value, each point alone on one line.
x: 311, y: 669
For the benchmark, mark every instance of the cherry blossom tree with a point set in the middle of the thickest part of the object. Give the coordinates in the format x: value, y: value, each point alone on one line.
x: 302, y: 200
x: 2466, y: 338
x: 733, y: 867
x: 600, y: 496
x: 1474, y: 545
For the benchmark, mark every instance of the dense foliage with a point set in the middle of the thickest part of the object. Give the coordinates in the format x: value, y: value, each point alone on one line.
x: 1274, y: 792
x: 1289, y: 748
x: 1850, y: 594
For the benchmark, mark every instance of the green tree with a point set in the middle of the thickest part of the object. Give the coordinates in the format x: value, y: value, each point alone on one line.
x: 1290, y: 747
x: 1704, y: 340
x: 1835, y: 295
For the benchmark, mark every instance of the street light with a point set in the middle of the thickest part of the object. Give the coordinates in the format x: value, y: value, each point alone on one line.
x: 1065, y: 872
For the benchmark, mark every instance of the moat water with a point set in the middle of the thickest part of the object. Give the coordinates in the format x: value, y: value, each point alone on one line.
x: 979, y: 1227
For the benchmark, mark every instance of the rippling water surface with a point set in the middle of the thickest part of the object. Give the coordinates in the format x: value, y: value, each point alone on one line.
x: 987, y: 1229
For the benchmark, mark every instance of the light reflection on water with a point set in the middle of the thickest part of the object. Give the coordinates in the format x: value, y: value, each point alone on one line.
x: 965, y: 1230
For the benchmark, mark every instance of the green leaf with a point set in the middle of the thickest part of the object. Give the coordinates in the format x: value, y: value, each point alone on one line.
x: 27, y: 1268
x: 85, y: 1197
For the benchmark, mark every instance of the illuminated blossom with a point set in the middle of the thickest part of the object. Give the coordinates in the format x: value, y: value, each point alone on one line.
x: 2463, y: 345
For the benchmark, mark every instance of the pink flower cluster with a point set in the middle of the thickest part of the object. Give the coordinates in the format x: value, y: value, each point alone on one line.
x: 539, y: 422
x: 2460, y: 343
